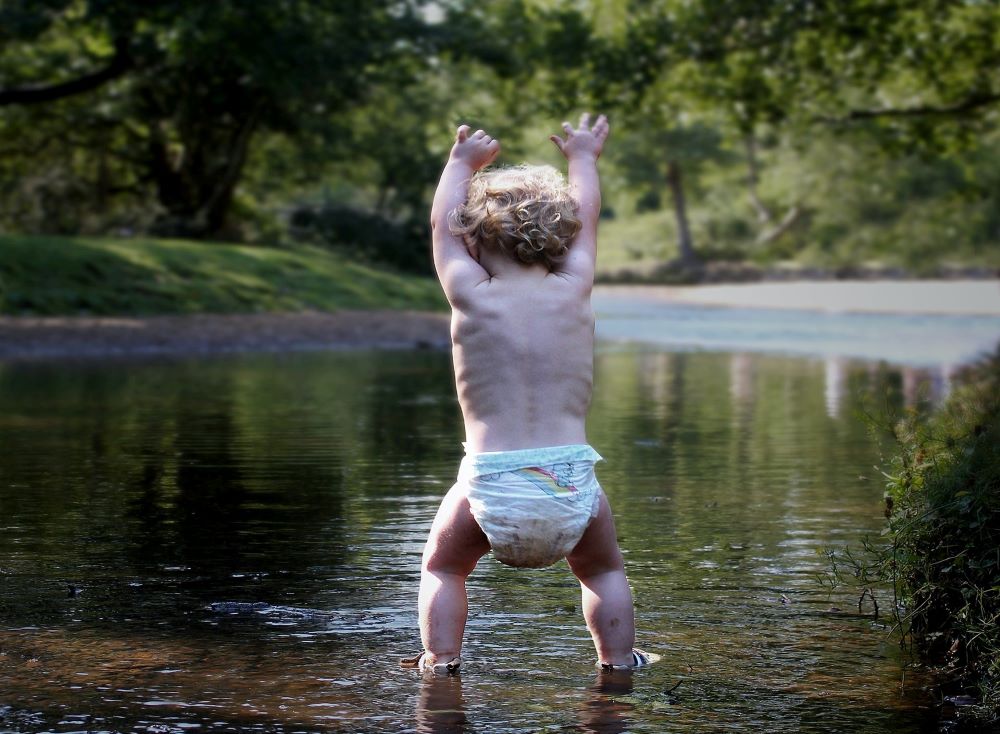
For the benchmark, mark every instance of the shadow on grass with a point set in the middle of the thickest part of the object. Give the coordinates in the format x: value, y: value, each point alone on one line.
x: 106, y: 276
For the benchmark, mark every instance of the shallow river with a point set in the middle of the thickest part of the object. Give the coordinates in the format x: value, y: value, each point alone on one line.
x: 233, y: 543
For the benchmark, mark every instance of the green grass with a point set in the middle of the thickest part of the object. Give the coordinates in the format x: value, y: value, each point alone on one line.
x: 641, y: 243
x: 109, y: 276
x: 637, y: 242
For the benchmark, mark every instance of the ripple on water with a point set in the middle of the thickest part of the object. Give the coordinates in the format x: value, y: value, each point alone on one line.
x: 244, y: 539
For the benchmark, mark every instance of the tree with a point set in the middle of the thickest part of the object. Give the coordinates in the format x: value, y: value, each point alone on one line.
x: 914, y: 74
x: 25, y: 23
x: 660, y: 155
x: 177, y: 90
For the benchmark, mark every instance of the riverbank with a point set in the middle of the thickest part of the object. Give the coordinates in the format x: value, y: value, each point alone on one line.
x: 114, y: 276
x: 90, y: 336
x: 31, y: 337
x: 917, y: 324
x: 72, y: 337
x: 938, y: 552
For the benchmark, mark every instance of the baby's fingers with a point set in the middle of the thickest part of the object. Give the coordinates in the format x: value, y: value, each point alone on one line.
x: 493, y: 149
x: 558, y: 141
x: 601, y: 128
x: 462, y: 134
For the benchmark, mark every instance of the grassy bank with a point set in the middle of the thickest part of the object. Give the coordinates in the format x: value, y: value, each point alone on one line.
x: 642, y: 248
x: 110, y: 276
x: 940, y: 552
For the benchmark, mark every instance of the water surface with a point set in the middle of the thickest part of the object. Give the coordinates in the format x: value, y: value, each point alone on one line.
x: 234, y: 544
x: 940, y: 341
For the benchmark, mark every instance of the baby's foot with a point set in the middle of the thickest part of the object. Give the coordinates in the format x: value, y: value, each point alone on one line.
x: 419, y: 662
x: 640, y: 659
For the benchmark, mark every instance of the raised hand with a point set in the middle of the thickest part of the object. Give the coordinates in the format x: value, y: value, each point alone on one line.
x: 584, y: 141
x: 476, y: 150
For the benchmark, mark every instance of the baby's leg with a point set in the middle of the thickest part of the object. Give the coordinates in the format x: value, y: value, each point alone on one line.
x: 607, y: 599
x: 455, y: 545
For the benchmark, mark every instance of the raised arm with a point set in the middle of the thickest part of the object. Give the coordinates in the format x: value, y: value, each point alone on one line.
x: 582, y: 147
x: 456, y: 266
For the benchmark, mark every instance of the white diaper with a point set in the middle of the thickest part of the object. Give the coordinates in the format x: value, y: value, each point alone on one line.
x: 533, y: 504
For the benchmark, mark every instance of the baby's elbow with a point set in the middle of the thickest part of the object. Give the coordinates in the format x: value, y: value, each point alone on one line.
x: 590, y: 206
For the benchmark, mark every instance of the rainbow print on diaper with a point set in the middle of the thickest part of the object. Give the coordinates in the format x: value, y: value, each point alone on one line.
x: 548, y: 481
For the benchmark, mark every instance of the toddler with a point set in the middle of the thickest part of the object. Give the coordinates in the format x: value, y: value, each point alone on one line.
x: 515, y: 251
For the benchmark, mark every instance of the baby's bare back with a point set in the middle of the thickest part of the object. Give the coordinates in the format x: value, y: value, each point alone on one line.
x: 523, y: 351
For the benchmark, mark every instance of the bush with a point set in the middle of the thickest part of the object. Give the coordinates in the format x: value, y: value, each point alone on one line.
x: 941, y: 550
x: 364, y: 236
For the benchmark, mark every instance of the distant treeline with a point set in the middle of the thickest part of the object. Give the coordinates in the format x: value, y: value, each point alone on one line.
x: 822, y: 132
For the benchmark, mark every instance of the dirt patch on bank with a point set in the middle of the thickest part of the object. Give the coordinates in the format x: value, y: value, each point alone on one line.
x: 79, y: 336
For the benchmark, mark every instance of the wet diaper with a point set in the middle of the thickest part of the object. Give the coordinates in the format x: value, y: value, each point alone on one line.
x: 533, y: 504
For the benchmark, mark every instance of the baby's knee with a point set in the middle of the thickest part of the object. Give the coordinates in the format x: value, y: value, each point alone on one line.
x: 448, y: 558
x: 438, y: 564
x: 590, y: 564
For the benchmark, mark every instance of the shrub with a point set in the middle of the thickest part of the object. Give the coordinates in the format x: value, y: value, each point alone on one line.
x: 940, y: 552
x: 365, y: 236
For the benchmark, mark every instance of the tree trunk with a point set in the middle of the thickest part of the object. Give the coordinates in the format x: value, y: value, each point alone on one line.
x: 753, y: 176
x: 195, y: 179
x: 685, y: 246
x: 213, y: 212
x: 786, y: 223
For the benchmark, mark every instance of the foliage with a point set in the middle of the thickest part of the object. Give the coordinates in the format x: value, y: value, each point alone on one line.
x: 859, y: 206
x: 199, y: 82
x: 829, y: 134
x: 364, y: 236
x: 902, y: 80
x: 932, y: 63
x: 65, y: 276
x: 940, y: 551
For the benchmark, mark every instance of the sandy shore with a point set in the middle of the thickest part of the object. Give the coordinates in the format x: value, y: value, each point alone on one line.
x: 41, y: 338
x: 953, y: 297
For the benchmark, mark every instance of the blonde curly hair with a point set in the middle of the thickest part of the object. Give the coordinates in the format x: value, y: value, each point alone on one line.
x: 525, y: 211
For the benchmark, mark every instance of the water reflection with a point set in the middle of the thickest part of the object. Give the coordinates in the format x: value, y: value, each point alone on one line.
x: 741, y: 377
x: 922, y: 388
x: 440, y: 706
x: 245, y: 536
x: 608, y: 709
x: 835, y: 384
x: 605, y: 708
